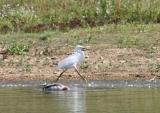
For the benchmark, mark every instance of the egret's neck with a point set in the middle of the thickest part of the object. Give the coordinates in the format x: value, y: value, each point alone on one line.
x: 80, y: 54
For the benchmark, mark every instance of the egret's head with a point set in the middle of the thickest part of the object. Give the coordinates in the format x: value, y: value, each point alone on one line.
x: 79, y: 48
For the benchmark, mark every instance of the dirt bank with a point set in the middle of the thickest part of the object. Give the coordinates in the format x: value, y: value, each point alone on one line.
x: 100, y: 64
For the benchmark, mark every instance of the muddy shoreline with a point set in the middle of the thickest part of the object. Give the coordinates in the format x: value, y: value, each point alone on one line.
x: 111, y: 64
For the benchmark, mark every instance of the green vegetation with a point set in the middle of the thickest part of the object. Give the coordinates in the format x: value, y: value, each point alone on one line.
x: 39, y: 15
x: 154, y: 68
x: 17, y: 49
x: 123, y: 36
x: 27, y: 68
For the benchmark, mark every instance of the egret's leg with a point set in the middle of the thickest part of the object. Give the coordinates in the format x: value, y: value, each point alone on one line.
x: 60, y: 75
x: 79, y: 73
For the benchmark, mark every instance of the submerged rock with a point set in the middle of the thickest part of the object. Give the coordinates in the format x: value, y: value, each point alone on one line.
x: 55, y: 87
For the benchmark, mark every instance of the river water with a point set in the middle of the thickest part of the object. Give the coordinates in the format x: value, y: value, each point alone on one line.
x: 91, y: 97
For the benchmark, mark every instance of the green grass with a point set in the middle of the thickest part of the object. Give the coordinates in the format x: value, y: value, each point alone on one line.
x: 17, y: 48
x: 39, y: 15
x: 123, y: 36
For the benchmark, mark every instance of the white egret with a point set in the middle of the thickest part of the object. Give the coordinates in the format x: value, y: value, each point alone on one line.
x: 71, y: 61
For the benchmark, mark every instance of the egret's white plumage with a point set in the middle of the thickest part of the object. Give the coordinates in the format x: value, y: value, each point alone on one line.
x: 71, y: 61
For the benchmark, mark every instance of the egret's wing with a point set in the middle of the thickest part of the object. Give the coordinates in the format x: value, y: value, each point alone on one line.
x: 68, y: 62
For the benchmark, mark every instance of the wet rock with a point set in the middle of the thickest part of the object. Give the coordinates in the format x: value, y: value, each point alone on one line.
x: 55, y: 87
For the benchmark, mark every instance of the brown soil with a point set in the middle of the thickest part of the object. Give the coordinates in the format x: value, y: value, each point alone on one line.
x: 100, y: 64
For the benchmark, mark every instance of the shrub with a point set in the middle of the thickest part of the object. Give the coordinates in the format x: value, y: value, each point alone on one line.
x: 17, y: 49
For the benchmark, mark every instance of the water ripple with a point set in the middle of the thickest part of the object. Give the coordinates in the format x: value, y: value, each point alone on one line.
x: 89, y: 84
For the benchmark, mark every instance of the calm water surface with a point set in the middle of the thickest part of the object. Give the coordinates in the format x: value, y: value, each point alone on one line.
x: 80, y: 100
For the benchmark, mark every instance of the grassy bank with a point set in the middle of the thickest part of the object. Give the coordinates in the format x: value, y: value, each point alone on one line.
x: 140, y: 36
x: 39, y: 15
x: 128, y: 51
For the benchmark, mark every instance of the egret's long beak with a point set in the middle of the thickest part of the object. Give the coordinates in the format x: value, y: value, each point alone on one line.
x: 84, y: 49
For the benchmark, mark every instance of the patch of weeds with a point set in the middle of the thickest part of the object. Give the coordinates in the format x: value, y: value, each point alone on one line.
x: 154, y: 68
x: 152, y: 49
x: 86, y: 40
x: 5, y: 27
x: 27, y: 68
x: 17, y: 49
x: 141, y: 28
x: 43, y: 38
x: 89, y: 38
x: 128, y: 42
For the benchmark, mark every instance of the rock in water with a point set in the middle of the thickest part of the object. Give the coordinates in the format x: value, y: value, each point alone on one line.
x: 55, y: 87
